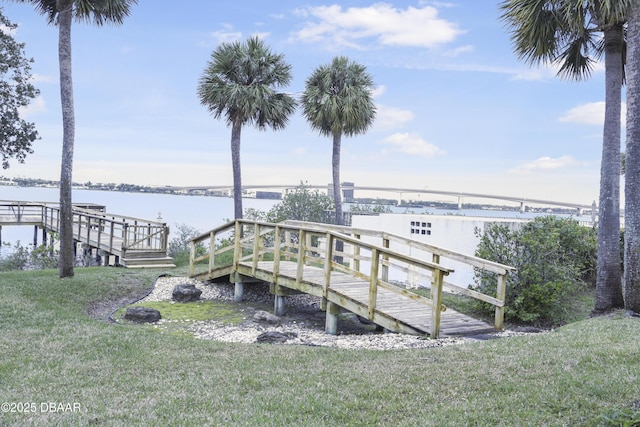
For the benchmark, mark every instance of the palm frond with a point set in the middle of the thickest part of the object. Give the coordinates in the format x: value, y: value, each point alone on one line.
x: 240, y: 82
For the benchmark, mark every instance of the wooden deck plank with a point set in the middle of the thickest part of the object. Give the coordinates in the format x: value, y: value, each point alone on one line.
x: 349, y: 290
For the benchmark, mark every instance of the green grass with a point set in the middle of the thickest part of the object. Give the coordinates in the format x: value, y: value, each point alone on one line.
x: 51, y: 351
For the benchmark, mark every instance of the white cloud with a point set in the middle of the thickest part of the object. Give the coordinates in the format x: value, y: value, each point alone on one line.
x: 390, y: 26
x: 391, y: 117
x: 412, y: 144
x: 226, y: 35
x: 40, y: 78
x: 591, y: 114
x: 459, y: 50
x: 588, y: 114
x: 545, y: 164
x: 378, y: 91
x: 36, y: 105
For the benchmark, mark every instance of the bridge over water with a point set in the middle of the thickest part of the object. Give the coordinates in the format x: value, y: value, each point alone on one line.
x: 460, y: 196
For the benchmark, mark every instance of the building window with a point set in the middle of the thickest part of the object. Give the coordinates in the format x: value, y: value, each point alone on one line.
x: 422, y: 228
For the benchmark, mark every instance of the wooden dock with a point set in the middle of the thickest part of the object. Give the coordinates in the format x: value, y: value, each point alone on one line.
x: 304, y: 257
x: 132, y: 242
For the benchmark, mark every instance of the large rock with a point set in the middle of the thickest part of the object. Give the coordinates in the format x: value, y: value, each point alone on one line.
x: 275, y: 337
x: 141, y: 314
x: 266, y: 317
x: 186, y: 293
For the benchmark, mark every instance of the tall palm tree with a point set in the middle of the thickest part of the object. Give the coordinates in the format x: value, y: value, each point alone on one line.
x: 337, y: 100
x: 632, y: 173
x: 62, y: 13
x: 574, y: 34
x: 240, y: 83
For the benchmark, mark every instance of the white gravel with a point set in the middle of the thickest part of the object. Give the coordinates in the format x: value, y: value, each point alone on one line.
x: 301, y: 332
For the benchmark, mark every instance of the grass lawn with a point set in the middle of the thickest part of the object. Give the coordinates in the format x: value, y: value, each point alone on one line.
x: 67, y: 368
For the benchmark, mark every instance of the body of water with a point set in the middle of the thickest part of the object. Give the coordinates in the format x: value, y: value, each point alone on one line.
x: 200, y: 212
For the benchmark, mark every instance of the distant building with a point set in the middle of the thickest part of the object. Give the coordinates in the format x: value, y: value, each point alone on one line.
x: 347, y: 191
x: 273, y: 195
x: 453, y: 232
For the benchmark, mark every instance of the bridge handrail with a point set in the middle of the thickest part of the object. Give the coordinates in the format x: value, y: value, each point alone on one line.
x: 501, y: 270
x: 247, y: 248
x: 250, y: 245
x: 475, y: 261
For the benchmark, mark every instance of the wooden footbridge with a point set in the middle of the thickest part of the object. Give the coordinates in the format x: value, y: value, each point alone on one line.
x: 357, y: 270
x: 132, y: 242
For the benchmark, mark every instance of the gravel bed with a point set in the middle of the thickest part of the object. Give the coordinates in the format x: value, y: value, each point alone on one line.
x: 303, y: 322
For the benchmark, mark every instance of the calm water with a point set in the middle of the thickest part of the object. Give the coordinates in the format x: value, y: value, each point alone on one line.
x: 200, y: 212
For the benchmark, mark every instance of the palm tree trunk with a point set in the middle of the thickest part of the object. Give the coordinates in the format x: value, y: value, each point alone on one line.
x: 632, y: 174
x: 335, y: 164
x: 337, y: 197
x: 608, y: 282
x: 237, y: 173
x: 67, y: 256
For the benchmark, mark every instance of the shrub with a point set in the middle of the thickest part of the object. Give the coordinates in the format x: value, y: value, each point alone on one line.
x: 555, y: 258
x: 303, y: 204
x: 26, y: 258
x: 179, y: 249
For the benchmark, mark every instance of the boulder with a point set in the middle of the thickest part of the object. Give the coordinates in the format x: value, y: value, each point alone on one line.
x: 141, y: 314
x: 275, y: 337
x: 186, y: 293
x: 266, y: 317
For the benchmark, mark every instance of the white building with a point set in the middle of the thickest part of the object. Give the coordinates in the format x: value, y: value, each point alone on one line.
x: 453, y: 232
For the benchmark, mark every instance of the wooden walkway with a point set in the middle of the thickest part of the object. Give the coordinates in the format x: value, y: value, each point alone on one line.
x: 133, y: 242
x: 354, y: 278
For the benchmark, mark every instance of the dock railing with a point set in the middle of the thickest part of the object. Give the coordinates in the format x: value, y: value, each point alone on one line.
x: 16, y: 212
x: 102, y: 229
x: 333, y: 249
x: 113, y: 233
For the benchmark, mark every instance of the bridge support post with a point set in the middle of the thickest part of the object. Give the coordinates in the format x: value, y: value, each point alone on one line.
x: 522, y: 207
x: 238, y: 293
x: 331, y: 324
x: 278, y: 308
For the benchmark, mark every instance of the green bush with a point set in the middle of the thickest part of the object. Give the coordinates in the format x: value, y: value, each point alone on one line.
x: 303, y: 204
x: 26, y: 258
x: 179, y: 249
x: 555, y: 258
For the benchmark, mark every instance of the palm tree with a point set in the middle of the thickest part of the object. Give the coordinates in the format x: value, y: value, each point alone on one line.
x: 574, y: 34
x: 240, y: 83
x: 62, y: 13
x: 632, y: 173
x: 337, y: 100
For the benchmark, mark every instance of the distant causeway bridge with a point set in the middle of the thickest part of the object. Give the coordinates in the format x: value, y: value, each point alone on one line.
x: 522, y: 201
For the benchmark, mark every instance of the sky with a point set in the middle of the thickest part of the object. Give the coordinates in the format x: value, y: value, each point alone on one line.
x: 456, y: 109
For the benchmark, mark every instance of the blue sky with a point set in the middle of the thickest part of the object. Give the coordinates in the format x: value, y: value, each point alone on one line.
x: 457, y: 110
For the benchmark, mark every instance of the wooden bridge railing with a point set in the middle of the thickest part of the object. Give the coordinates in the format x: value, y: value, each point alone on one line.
x: 438, y: 255
x: 113, y: 233
x: 218, y: 249
x: 306, y: 245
